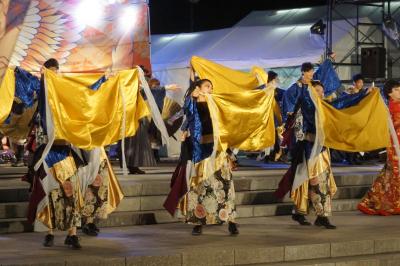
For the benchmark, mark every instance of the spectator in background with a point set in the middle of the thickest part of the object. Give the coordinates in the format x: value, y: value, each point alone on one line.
x: 358, y: 84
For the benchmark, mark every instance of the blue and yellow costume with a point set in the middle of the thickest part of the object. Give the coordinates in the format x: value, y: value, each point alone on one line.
x: 299, y: 114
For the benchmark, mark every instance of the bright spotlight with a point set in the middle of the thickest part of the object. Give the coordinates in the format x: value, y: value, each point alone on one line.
x: 89, y: 12
x: 128, y: 18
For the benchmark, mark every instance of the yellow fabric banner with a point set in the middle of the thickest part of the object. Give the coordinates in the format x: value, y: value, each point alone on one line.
x: 363, y: 127
x: 7, y: 91
x: 93, y: 118
x: 245, y: 114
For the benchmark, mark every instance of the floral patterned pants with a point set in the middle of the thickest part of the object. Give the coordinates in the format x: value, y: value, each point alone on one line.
x: 64, y: 211
x: 212, y: 201
x: 319, y: 195
x: 96, y: 197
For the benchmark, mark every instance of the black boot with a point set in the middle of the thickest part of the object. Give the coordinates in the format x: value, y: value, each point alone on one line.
x: 67, y: 240
x: 324, y: 221
x: 197, y: 230
x: 136, y: 170
x: 156, y: 155
x: 48, y: 240
x: 232, y: 227
x: 90, y: 229
x: 301, y: 219
x: 19, y: 154
x: 74, y: 242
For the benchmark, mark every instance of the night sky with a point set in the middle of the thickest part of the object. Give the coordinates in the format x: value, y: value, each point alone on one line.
x: 174, y: 16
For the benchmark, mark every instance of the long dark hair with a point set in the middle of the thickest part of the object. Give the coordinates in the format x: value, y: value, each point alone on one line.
x: 194, y: 84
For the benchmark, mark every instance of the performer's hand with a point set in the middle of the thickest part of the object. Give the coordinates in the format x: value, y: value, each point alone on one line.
x: 172, y: 87
x: 184, y: 135
x: 196, y: 93
x: 109, y: 73
x: 369, y: 89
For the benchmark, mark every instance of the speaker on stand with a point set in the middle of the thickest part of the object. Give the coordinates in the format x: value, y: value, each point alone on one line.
x: 373, y: 62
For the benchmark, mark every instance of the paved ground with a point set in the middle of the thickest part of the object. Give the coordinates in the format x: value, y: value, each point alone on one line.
x: 171, y: 240
x: 262, y: 240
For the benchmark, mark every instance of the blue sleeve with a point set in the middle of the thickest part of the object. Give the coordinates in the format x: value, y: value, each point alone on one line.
x: 26, y: 86
x: 328, y: 77
x: 187, y: 111
x: 290, y: 98
x: 95, y: 86
x: 348, y: 100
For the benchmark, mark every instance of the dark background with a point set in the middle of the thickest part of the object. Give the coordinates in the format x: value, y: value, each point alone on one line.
x: 174, y: 16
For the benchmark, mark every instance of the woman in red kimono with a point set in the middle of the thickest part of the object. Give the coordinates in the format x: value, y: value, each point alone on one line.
x: 383, y: 198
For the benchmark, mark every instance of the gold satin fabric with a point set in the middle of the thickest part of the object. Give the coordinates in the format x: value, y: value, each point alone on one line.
x: 245, y: 114
x: 115, y: 194
x: 19, y: 126
x: 263, y: 79
x: 93, y: 118
x: 7, y: 92
x: 363, y: 127
x: 322, y: 166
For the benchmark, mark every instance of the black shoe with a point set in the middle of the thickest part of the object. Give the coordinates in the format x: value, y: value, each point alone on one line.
x: 232, y: 227
x: 197, y: 230
x: 74, y: 242
x: 67, y: 240
x: 90, y: 229
x: 324, y: 221
x: 18, y: 164
x: 48, y: 240
x: 301, y: 219
x: 95, y: 228
x: 136, y: 171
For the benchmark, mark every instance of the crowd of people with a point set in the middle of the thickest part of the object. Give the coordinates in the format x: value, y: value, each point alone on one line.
x: 74, y: 188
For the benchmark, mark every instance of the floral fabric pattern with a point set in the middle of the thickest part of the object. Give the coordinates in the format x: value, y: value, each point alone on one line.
x: 64, y: 205
x: 320, y: 194
x: 213, y: 200
x: 96, y: 196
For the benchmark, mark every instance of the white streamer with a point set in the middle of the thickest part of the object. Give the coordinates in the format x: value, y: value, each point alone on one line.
x: 302, y: 174
x: 123, y: 130
x: 155, y: 112
x: 49, y: 127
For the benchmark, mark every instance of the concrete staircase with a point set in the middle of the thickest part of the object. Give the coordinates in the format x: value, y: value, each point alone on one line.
x: 145, y: 195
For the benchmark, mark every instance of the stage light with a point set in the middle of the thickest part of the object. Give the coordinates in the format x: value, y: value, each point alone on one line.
x: 391, y: 29
x: 299, y: 10
x: 128, y: 18
x: 318, y: 28
x: 89, y: 12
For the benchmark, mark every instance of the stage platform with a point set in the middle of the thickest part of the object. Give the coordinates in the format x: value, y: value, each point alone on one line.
x: 267, y: 234
x: 359, y: 240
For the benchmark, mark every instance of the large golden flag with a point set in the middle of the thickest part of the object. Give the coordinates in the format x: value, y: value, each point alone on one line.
x: 244, y: 114
x: 7, y: 91
x: 363, y: 127
x: 90, y: 118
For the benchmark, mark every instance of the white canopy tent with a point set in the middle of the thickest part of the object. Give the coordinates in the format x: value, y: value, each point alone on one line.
x: 278, y: 40
x: 241, y: 48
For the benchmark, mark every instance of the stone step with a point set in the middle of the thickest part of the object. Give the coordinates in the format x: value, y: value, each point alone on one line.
x: 14, y: 190
x: 387, y: 259
x: 150, y: 203
x: 274, y: 241
x: 161, y: 216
